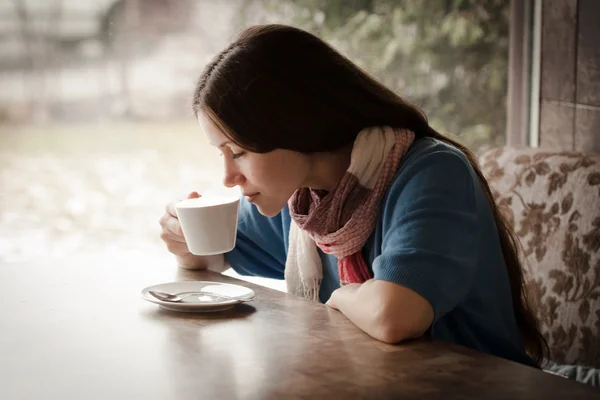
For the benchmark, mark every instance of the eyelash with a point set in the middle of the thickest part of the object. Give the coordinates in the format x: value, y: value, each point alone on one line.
x: 237, y: 155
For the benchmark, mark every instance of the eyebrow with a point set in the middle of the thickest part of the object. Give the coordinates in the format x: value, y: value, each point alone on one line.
x: 224, y: 143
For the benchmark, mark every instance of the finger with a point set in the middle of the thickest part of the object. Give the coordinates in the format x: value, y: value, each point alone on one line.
x: 168, y: 235
x: 172, y: 225
x: 164, y: 218
x: 177, y: 248
x: 170, y: 208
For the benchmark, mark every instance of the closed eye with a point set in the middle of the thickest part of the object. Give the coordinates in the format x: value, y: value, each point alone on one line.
x: 237, y: 155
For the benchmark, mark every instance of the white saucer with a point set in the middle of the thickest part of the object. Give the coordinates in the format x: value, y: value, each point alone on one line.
x: 197, y: 303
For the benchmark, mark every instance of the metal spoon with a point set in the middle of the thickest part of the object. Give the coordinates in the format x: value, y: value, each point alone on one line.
x: 177, y: 297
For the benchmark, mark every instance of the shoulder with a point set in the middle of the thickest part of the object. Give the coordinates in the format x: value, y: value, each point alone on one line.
x: 434, y: 171
x: 429, y: 152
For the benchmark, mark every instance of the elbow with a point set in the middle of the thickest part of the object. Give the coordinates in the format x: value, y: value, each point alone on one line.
x: 393, y: 333
x: 397, y: 313
x: 394, y: 329
x: 389, y: 336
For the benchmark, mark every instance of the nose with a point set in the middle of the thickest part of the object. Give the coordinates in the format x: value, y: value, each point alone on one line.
x: 233, y: 176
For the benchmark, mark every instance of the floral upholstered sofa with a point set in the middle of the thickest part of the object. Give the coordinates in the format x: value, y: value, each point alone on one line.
x: 552, y: 200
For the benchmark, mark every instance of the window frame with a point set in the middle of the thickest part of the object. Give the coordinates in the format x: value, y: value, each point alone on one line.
x: 523, y: 97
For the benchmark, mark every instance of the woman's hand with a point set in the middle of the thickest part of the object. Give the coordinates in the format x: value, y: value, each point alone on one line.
x: 172, y: 235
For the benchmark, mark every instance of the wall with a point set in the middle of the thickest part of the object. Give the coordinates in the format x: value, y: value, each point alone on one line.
x: 570, y: 75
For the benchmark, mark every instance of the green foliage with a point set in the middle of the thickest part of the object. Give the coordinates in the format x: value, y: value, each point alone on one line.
x: 447, y: 56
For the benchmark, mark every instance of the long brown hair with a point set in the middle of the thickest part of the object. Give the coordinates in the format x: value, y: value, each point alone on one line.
x: 277, y: 86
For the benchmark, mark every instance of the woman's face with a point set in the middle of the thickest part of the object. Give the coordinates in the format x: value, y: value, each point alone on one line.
x: 268, y: 180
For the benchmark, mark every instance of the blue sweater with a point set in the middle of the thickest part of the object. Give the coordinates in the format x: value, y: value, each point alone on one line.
x: 435, y: 235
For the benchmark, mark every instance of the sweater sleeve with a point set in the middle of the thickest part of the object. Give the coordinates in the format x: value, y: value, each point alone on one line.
x: 259, y: 249
x: 430, y: 230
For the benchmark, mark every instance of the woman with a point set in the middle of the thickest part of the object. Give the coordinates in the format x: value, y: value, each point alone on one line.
x: 356, y: 201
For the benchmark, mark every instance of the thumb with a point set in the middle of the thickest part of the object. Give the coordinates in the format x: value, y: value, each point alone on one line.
x: 193, y: 195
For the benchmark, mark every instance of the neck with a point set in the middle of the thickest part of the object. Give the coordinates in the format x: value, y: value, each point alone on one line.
x: 328, y: 168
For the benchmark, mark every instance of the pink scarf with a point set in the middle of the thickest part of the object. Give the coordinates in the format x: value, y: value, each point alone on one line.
x: 341, y: 221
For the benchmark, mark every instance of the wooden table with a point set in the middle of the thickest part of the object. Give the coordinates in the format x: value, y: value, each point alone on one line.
x: 77, y: 329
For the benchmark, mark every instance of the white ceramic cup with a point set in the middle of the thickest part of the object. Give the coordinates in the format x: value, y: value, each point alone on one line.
x: 209, y: 224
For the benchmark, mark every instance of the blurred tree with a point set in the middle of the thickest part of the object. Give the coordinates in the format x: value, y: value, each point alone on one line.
x: 153, y: 20
x: 40, y: 53
x: 450, y: 57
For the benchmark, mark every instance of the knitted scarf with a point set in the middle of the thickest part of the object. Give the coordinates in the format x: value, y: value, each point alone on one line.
x: 339, y: 222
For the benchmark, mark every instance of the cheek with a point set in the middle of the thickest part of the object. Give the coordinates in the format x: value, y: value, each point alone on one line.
x: 261, y: 172
x: 287, y: 177
x: 277, y: 173
x: 256, y: 173
x: 292, y: 168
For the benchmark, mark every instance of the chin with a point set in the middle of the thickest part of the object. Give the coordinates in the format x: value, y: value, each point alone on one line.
x: 268, y: 211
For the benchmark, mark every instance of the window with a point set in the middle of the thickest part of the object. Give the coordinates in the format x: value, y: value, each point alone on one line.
x: 97, y: 131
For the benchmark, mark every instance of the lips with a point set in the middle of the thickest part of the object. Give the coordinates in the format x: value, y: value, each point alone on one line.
x: 251, y: 196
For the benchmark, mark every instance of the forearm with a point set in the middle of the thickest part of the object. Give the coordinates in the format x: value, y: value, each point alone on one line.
x: 384, y: 310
